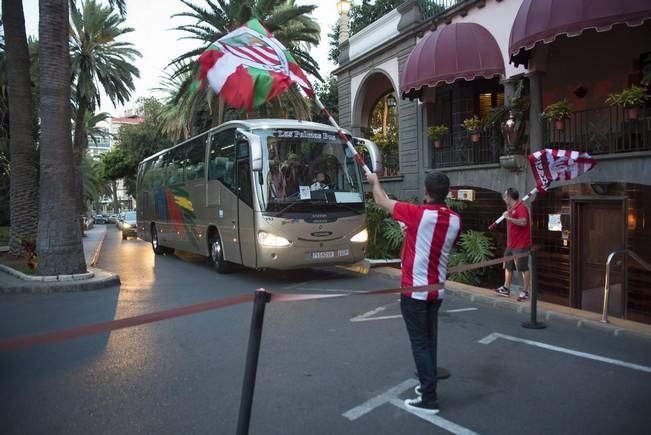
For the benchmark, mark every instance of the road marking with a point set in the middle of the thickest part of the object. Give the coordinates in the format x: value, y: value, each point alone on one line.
x: 461, y: 310
x: 435, y: 419
x: 391, y: 396
x: 371, y: 404
x: 335, y: 290
x: 369, y: 314
x: 494, y: 336
x: 298, y: 284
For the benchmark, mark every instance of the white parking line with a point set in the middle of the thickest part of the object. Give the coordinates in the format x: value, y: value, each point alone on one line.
x: 494, y: 336
x: 334, y: 290
x: 391, y: 396
x: 369, y: 314
x: 461, y: 310
x: 371, y: 404
x: 435, y: 419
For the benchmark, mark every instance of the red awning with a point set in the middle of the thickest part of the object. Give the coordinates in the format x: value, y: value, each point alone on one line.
x: 545, y: 20
x: 457, y: 51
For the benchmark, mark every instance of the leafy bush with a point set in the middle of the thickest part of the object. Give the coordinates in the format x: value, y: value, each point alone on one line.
x: 473, y: 247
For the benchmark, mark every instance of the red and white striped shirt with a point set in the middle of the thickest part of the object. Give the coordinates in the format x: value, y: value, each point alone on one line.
x: 432, y: 230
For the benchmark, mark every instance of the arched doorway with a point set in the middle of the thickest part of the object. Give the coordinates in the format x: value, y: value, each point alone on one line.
x: 375, y: 117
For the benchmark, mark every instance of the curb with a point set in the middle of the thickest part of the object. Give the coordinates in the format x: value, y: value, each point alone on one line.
x: 46, y: 278
x: 95, y: 259
x: 101, y: 279
x: 546, y: 312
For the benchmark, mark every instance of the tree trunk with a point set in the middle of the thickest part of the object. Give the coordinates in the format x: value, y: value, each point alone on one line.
x: 114, y: 185
x: 79, y: 146
x: 60, y: 249
x: 23, y: 202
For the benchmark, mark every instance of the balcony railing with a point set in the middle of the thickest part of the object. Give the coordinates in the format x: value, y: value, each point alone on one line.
x: 604, y: 130
x: 433, y: 8
x: 459, y: 150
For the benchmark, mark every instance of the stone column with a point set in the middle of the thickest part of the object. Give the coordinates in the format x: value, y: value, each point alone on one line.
x: 535, y: 109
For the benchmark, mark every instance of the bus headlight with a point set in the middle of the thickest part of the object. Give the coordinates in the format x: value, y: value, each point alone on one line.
x: 361, y: 237
x: 268, y: 239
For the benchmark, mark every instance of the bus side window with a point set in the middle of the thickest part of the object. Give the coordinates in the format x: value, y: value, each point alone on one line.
x: 195, y: 157
x: 222, y: 158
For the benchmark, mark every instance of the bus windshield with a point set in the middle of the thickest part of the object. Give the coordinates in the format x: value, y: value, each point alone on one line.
x: 305, y: 166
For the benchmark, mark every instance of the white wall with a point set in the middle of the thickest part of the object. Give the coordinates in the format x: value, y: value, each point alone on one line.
x: 374, y: 35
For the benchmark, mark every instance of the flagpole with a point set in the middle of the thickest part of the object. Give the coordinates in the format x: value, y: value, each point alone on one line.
x: 343, y: 136
x: 501, y: 218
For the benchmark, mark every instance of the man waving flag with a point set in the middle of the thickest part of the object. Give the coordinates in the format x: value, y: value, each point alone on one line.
x: 249, y: 66
x: 549, y: 165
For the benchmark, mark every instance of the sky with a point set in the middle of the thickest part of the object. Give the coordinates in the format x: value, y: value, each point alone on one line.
x: 158, y: 43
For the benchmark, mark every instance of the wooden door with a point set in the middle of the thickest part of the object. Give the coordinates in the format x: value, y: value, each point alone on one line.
x: 598, y: 229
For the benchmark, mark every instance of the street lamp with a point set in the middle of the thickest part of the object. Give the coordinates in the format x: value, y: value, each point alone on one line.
x: 343, y: 6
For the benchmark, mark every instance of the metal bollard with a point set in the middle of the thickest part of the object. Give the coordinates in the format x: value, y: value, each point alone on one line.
x: 533, y: 323
x: 252, y: 354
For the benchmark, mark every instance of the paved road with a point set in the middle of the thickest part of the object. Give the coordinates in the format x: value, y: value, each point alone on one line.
x: 330, y: 366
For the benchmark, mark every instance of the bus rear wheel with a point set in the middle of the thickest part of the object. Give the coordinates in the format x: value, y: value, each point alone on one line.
x: 158, y: 249
x: 217, y: 255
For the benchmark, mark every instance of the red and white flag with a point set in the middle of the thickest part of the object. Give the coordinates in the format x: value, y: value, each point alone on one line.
x: 550, y: 165
x: 249, y: 67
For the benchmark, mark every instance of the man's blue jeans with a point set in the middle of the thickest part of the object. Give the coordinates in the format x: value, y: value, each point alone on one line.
x: 421, y: 319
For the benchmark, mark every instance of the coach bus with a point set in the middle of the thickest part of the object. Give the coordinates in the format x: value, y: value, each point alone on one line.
x: 266, y: 193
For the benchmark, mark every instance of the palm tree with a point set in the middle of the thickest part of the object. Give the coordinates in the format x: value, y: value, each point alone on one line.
x: 98, y: 59
x: 290, y: 23
x: 23, y: 202
x: 59, y: 247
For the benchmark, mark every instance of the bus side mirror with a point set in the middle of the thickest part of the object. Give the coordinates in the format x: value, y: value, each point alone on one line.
x: 255, y: 146
x: 373, y: 153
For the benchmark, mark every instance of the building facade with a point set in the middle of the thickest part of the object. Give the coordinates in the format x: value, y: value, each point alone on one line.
x: 450, y: 61
x: 104, y: 143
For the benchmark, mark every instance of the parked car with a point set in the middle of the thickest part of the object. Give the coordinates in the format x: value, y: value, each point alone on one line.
x: 128, y: 225
x: 113, y: 218
x: 101, y: 219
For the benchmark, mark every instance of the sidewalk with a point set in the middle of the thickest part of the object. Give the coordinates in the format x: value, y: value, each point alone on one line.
x: 12, y: 281
x: 546, y: 311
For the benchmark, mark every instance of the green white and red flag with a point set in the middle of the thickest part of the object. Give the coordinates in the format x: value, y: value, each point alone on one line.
x: 249, y: 66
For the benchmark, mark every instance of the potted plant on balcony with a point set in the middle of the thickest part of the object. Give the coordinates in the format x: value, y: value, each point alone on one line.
x: 436, y: 132
x: 472, y: 127
x: 631, y: 99
x: 558, y: 112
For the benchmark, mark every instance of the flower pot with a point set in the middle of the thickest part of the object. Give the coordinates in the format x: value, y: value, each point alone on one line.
x: 474, y: 137
x: 632, y: 113
x: 559, y: 124
x: 437, y: 143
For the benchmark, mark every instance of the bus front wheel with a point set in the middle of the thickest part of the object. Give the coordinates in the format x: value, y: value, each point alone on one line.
x: 217, y: 255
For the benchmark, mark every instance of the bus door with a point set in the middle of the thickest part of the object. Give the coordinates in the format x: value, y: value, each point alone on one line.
x: 245, y: 205
x: 221, y: 192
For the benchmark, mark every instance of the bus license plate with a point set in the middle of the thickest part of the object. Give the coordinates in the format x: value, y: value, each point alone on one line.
x: 343, y: 252
x: 323, y: 254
